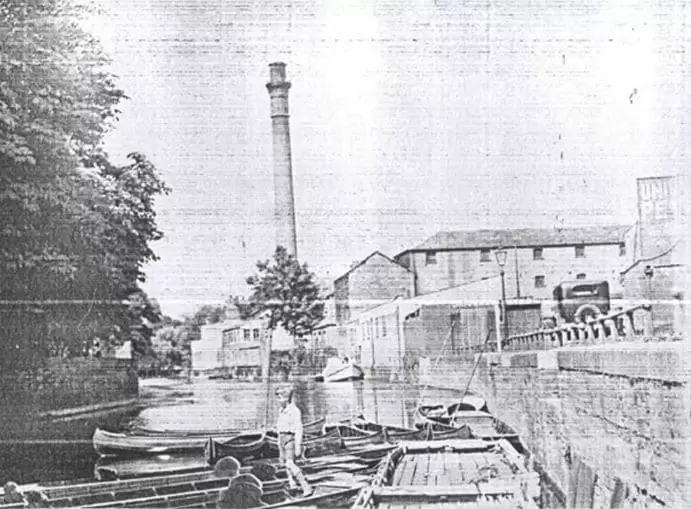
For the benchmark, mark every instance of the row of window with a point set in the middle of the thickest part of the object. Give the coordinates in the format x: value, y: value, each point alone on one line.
x: 374, y: 328
x: 540, y: 280
x: 234, y: 336
x: 579, y: 252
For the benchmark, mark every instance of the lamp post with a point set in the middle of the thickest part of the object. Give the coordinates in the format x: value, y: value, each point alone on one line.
x: 648, y: 273
x: 501, y: 261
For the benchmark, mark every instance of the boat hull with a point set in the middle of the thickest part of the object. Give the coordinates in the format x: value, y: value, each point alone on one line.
x: 107, y: 443
x: 328, y: 443
x: 342, y: 373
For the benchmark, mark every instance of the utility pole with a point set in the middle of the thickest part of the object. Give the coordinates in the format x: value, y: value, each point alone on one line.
x: 518, y: 277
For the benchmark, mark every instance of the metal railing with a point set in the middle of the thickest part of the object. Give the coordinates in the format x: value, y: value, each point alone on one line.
x: 630, y: 324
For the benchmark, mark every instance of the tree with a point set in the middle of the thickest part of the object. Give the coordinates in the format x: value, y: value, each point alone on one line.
x: 288, y: 291
x: 76, y: 229
x: 205, y: 315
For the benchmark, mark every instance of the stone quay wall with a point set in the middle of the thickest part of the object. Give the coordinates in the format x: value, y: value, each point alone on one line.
x: 609, y: 425
x: 70, y: 383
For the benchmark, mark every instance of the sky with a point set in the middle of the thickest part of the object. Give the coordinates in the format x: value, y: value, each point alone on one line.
x: 407, y: 118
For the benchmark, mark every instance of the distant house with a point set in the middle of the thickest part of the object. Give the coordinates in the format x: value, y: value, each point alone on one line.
x: 207, y: 352
x: 237, y: 344
x: 368, y: 283
x: 538, y: 259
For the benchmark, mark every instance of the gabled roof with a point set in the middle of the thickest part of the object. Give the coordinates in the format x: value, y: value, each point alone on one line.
x: 524, y: 237
x: 361, y: 263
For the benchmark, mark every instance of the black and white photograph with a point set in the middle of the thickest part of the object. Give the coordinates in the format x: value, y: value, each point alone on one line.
x: 327, y: 254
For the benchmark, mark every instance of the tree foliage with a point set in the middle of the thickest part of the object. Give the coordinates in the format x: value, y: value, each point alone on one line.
x: 76, y: 229
x: 288, y: 291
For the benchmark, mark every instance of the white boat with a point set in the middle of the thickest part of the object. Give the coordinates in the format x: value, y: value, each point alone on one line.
x: 341, y: 370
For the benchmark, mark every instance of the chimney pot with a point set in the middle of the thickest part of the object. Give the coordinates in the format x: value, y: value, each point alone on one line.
x: 277, y: 73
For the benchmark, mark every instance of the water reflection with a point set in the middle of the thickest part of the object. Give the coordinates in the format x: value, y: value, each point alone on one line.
x: 221, y: 404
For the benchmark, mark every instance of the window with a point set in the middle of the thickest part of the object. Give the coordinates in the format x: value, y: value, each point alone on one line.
x: 484, y: 255
x: 622, y: 249
x: 376, y: 327
x: 255, y: 334
x: 580, y: 251
x: 537, y: 253
x: 246, y: 334
x: 430, y: 258
x: 383, y: 327
x: 580, y: 276
x: 540, y: 281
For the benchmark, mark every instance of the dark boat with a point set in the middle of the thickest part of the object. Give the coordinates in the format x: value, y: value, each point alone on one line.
x: 481, y: 425
x: 444, y: 412
x: 333, y: 490
x: 452, y: 473
x: 197, y: 489
x: 326, y: 443
x: 247, y: 445
x: 394, y: 433
x: 107, y: 443
x: 312, y: 427
x: 354, y: 437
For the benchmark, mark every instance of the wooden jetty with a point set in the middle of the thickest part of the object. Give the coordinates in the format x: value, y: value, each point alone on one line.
x: 452, y: 473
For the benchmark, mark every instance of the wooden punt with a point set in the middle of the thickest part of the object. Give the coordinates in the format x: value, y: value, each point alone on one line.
x: 107, y: 443
x: 398, y: 434
x: 481, y: 424
x: 331, y: 489
x: 327, y: 443
x: 354, y: 437
x: 247, y: 445
x: 443, y: 413
x: 198, y: 488
x: 452, y: 473
x: 393, y: 433
x: 312, y: 427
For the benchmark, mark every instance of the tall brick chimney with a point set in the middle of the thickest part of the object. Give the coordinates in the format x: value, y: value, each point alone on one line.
x: 278, y: 87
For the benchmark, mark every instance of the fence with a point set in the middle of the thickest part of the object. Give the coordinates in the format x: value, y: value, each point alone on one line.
x: 631, y: 324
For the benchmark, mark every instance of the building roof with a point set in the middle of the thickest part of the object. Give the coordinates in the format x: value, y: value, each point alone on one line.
x: 524, y: 237
x: 365, y: 260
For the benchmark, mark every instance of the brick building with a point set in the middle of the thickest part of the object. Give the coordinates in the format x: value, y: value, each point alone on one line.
x: 538, y: 259
x: 374, y: 280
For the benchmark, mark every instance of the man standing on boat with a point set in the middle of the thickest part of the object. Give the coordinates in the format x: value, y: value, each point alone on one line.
x: 290, y: 434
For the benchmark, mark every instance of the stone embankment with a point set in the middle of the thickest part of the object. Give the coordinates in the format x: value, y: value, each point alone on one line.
x: 608, y: 423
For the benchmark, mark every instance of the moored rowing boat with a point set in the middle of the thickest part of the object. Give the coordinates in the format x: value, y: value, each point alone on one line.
x: 148, y: 443
x: 107, y: 443
x: 248, y: 445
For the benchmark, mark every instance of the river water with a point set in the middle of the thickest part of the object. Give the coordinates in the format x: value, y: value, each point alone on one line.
x: 218, y: 404
x: 214, y: 405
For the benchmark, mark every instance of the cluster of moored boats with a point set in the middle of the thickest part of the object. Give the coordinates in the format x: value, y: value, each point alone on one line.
x: 456, y: 454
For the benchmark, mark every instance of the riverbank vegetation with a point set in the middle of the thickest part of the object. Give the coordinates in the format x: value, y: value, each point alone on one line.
x: 77, y: 229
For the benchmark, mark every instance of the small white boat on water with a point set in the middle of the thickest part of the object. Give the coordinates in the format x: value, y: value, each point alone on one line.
x: 341, y: 370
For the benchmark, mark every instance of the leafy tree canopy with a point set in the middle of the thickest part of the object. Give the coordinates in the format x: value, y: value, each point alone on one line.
x: 76, y: 229
x: 288, y: 291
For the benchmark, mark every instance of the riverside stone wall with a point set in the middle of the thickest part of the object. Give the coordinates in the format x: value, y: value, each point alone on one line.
x: 69, y: 383
x: 609, y: 424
